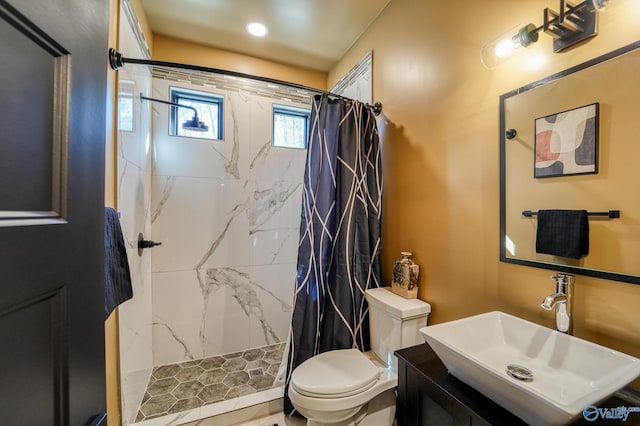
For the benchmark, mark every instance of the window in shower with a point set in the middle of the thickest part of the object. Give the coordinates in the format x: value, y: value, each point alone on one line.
x: 290, y: 127
x: 210, y: 111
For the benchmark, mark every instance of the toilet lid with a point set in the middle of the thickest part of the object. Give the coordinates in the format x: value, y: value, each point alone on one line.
x: 336, y: 373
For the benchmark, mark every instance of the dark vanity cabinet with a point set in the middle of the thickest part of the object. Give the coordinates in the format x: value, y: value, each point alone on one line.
x: 429, y: 395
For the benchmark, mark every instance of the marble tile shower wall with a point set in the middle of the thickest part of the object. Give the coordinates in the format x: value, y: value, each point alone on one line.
x: 228, y: 215
x: 134, y: 201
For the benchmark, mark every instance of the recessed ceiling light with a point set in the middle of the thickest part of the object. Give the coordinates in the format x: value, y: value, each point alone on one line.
x: 257, y: 29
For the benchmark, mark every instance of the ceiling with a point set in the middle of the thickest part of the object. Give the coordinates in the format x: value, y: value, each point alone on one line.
x: 312, y: 34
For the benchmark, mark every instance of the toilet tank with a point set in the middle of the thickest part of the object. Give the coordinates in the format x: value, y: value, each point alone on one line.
x: 394, y: 322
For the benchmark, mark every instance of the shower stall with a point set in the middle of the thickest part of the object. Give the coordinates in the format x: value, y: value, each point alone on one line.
x: 206, y: 330
x: 227, y: 213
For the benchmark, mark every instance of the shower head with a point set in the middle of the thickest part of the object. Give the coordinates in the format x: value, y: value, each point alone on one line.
x: 193, y: 125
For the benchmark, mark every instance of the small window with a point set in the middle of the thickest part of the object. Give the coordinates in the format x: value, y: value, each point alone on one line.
x: 209, y: 107
x: 290, y: 127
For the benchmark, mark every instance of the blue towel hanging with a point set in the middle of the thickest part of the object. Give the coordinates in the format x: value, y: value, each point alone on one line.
x: 118, y: 286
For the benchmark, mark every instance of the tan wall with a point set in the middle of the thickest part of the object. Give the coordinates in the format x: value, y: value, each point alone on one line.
x: 174, y: 50
x: 112, y: 370
x: 440, y: 146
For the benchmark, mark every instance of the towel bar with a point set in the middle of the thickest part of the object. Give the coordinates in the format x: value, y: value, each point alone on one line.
x: 611, y: 214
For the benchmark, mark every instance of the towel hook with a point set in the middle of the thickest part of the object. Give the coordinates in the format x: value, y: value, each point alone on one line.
x: 143, y: 244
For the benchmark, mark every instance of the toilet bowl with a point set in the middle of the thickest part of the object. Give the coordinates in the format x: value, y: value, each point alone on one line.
x: 347, y: 387
x: 333, y: 387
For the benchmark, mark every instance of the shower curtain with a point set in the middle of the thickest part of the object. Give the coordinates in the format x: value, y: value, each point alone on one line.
x: 339, y: 250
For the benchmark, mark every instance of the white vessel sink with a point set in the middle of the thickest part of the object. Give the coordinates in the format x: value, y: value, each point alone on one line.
x: 569, y: 373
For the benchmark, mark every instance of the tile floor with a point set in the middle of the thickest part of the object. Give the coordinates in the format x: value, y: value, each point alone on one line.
x: 179, y: 387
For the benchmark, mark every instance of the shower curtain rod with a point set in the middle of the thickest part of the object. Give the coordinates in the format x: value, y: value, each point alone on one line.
x: 117, y: 61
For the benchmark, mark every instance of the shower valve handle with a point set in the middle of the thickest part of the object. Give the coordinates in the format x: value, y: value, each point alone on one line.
x: 143, y: 244
x: 148, y: 244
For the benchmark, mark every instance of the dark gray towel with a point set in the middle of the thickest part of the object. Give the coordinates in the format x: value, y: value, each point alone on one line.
x: 563, y: 233
x: 116, y: 265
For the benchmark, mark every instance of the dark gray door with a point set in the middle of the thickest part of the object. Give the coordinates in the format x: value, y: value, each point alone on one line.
x: 52, y: 128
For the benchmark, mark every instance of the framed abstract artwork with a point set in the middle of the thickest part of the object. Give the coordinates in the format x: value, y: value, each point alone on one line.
x: 566, y: 142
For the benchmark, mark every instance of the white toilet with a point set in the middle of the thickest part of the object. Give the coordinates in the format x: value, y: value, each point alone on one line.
x: 347, y: 387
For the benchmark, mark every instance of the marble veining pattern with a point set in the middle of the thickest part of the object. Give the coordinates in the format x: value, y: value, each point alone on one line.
x: 203, y: 281
x: 187, y: 352
x: 166, y: 193
x: 134, y: 200
x: 232, y: 166
x: 268, y: 202
x: 262, y: 154
x: 244, y: 292
x: 227, y: 213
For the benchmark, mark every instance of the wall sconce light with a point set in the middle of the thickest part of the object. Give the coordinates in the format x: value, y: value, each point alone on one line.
x: 568, y: 27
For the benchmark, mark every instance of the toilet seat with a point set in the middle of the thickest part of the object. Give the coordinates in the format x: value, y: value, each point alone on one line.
x: 335, y: 374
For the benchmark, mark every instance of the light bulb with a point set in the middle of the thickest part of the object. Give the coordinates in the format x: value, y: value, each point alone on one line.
x: 504, y: 48
x: 257, y: 29
x: 497, y: 50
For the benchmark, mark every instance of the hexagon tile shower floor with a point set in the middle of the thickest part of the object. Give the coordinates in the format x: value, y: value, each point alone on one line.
x: 178, y: 387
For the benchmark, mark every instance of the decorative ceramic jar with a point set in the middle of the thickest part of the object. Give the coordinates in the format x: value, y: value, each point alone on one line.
x: 405, y: 277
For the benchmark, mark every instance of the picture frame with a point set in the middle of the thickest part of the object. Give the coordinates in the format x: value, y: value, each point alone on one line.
x: 566, y: 143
